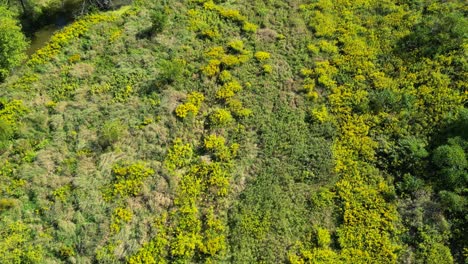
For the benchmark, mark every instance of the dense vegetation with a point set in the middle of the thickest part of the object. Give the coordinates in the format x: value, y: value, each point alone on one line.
x: 200, y: 131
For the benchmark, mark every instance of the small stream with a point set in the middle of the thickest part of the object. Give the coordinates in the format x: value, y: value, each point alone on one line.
x: 55, y: 21
x: 41, y: 37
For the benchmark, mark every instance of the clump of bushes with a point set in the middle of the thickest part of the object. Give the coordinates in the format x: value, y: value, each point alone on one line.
x: 158, y: 21
x: 10, y: 113
x: 262, y: 55
x: 212, y: 68
x: 120, y: 216
x: 13, y: 43
x: 6, y: 204
x: 228, y: 90
x: 128, y: 180
x: 230, y: 14
x: 170, y: 71
x: 62, y: 193
x: 225, y: 76
x: 249, y: 27
x: 237, y: 108
x: 191, y: 106
x: 179, y: 155
x: 217, y: 146
x: 230, y: 60
x: 221, y: 117
x: 111, y: 132
x: 215, y: 52
x: 267, y: 68
x: 236, y: 45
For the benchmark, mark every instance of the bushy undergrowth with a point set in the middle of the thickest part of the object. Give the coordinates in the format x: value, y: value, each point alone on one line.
x: 247, y: 132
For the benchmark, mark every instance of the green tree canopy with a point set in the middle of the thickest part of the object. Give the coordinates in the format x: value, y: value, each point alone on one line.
x: 13, y: 43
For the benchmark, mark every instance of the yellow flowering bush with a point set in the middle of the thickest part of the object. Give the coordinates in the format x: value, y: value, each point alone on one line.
x: 225, y: 76
x: 192, y: 105
x: 228, y: 90
x: 215, y: 52
x: 178, y: 156
x: 267, y: 68
x: 230, y: 60
x: 262, y: 55
x: 128, y: 180
x: 120, y: 216
x: 249, y: 27
x: 236, y: 45
x: 221, y: 117
x: 212, y: 68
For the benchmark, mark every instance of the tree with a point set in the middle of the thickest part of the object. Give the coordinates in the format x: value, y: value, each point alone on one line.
x: 13, y: 43
x: 443, y: 30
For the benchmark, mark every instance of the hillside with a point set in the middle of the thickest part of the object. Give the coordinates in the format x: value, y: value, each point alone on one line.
x: 200, y: 131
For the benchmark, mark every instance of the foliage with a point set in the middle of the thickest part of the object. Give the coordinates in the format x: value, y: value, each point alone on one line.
x: 111, y: 132
x: 267, y: 68
x: 217, y: 145
x: 228, y: 90
x: 158, y: 20
x: 212, y: 68
x: 192, y: 105
x: 179, y: 155
x: 262, y: 55
x: 201, y: 131
x: 13, y: 43
x: 119, y: 217
x: 128, y: 179
x: 221, y: 118
x: 16, y: 246
x: 155, y: 250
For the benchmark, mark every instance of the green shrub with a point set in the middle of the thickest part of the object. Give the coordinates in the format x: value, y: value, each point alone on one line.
x: 154, y: 251
x: 13, y: 43
x: 66, y: 252
x: 214, y: 241
x: 453, y: 202
x: 236, y: 107
x: 66, y: 35
x: 439, y: 253
x: 62, y: 193
x: 120, y: 216
x: 249, y: 27
x: 111, y: 132
x: 221, y: 118
x: 267, y: 68
x: 225, y: 76
x: 158, y: 21
x: 6, y: 130
x: 313, y: 49
x: 447, y: 156
x: 17, y: 244
x: 215, y: 52
x: 410, y: 184
x: 230, y: 60
x: 6, y: 204
x: 170, y: 72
